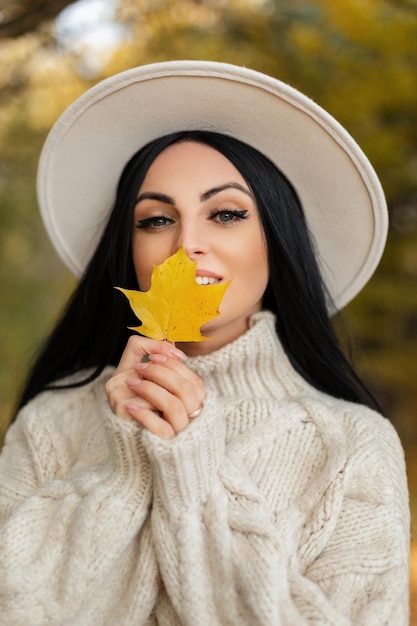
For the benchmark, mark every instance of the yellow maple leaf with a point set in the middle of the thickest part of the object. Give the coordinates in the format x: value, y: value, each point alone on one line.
x: 176, y: 306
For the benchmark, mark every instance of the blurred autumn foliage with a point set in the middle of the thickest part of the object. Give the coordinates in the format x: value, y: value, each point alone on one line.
x: 356, y: 58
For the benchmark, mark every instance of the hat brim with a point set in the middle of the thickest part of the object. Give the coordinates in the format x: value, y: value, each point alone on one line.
x: 90, y: 144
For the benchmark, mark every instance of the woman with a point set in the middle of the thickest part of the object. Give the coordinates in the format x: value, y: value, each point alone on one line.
x: 240, y: 480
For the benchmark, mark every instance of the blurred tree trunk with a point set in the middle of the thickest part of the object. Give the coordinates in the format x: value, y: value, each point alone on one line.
x: 25, y: 16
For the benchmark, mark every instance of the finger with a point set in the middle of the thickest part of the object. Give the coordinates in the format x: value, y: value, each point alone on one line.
x: 118, y: 403
x: 178, y: 367
x: 151, y: 421
x: 139, y: 347
x: 172, y: 408
x: 179, y: 381
x: 136, y: 349
x: 119, y: 393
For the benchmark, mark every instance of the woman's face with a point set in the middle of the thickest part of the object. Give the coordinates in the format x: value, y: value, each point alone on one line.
x: 194, y: 197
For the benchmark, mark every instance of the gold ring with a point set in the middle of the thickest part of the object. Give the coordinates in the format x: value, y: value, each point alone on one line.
x: 195, y: 413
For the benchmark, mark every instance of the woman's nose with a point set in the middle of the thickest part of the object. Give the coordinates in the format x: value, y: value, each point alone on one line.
x: 193, y: 242
x: 194, y: 252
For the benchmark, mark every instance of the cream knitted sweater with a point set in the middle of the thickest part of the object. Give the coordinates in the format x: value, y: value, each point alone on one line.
x: 278, y: 506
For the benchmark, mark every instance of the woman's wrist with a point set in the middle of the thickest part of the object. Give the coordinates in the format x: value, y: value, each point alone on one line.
x: 184, y: 468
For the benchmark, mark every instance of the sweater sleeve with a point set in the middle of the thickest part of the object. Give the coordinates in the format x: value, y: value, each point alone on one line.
x: 227, y: 556
x: 74, y: 518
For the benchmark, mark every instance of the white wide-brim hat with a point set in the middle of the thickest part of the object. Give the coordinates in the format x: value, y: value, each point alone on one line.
x: 90, y: 144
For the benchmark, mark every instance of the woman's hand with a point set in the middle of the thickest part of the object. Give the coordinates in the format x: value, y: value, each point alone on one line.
x: 161, y: 393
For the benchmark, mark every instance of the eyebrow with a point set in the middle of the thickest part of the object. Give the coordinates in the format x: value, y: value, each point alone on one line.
x: 212, y: 192
x: 161, y: 197
x: 153, y: 195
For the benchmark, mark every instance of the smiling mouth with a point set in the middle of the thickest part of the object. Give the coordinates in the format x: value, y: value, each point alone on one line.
x: 207, y: 280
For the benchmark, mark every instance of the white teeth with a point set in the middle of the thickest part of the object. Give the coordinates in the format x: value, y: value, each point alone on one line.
x: 206, y: 280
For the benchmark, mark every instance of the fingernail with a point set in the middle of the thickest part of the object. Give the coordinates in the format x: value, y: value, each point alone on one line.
x: 131, y: 408
x: 133, y: 382
x: 141, y: 366
x: 157, y: 358
x: 178, y: 353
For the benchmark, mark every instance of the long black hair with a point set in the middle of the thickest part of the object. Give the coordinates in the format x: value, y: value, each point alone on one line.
x: 92, y: 333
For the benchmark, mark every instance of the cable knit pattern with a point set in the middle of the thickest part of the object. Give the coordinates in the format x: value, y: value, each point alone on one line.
x: 278, y: 506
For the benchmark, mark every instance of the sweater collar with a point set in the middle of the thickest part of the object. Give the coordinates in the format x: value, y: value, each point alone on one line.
x: 253, y: 365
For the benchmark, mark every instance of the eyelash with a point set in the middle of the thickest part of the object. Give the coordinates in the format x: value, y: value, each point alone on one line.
x: 149, y: 222
x: 236, y: 213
